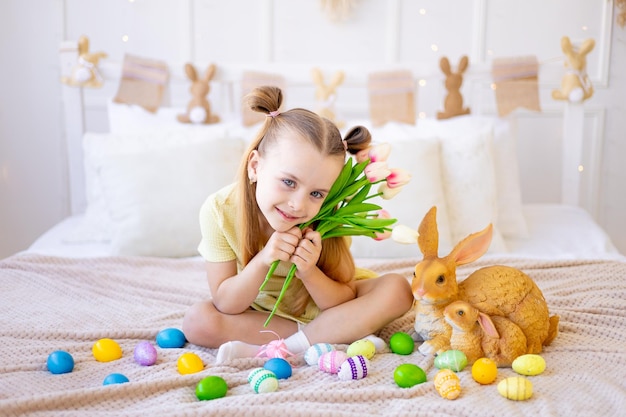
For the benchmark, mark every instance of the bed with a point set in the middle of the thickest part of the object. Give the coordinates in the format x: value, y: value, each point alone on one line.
x: 125, y: 267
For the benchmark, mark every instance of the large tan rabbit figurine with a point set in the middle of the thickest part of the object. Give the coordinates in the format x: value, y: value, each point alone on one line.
x: 199, y: 108
x: 575, y: 84
x: 325, y: 94
x: 494, y: 290
x: 453, y: 103
x: 479, y: 335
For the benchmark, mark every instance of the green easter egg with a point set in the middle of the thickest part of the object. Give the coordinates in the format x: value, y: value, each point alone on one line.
x: 455, y: 360
x: 211, y: 387
x: 401, y: 343
x: 408, y: 375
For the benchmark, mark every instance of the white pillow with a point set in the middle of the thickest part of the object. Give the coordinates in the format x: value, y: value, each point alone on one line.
x: 420, y: 156
x: 154, y: 196
x: 131, y: 118
x: 469, y: 177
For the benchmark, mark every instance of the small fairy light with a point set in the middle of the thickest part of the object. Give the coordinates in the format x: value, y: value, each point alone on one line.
x: 124, y: 38
x: 422, y: 82
x: 422, y: 12
x: 581, y: 168
x: 490, y: 52
x: 421, y: 115
x: 434, y: 47
x: 493, y: 86
x: 584, y: 28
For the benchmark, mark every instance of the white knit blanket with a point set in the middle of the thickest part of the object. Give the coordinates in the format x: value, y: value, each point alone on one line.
x: 49, y: 303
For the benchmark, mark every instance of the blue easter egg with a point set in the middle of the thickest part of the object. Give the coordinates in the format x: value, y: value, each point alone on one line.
x: 115, y: 379
x: 280, y: 367
x: 171, y: 338
x: 60, y: 362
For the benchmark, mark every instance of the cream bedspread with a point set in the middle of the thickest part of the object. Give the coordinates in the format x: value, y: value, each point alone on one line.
x: 50, y: 303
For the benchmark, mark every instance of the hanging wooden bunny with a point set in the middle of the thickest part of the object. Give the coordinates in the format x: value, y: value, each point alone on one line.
x: 325, y: 94
x: 85, y: 73
x: 575, y: 84
x: 453, y: 104
x: 199, y: 108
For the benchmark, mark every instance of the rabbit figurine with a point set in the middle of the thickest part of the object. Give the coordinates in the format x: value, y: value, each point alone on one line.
x: 479, y: 335
x: 199, y: 108
x: 575, y: 84
x: 453, y: 104
x: 325, y: 94
x: 494, y: 290
x: 85, y: 73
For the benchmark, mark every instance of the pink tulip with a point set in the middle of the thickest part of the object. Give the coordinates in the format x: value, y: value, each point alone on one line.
x: 362, y: 155
x: 386, y: 192
x: 398, y: 177
x: 380, y: 153
x: 383, y: 214
x: 377, y: 171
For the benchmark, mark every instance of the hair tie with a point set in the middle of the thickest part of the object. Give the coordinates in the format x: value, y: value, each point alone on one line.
x: 273, y: 114
x: 345, y: 145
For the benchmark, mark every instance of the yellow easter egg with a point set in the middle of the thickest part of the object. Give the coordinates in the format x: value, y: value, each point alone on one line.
x: 189, y: 363
x: 447, y: 384
x: 529, y: 364
x: 106, y: 350
x: 484, y: 371
x: 516, y: 388
x: 363, y: 347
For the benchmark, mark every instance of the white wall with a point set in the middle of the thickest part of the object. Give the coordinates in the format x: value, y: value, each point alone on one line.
x: 33, y: 178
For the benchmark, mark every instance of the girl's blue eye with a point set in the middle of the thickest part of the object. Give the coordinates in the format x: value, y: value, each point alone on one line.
x: 289, y: 183
x: 317, y: 194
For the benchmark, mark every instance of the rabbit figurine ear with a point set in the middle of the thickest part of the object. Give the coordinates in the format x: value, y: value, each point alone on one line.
x: 209, y: 73
x: 191, y: 72
x: 444, y: 64
x: 428, y: 239
x: 463, y: 63
x: 473, y: 246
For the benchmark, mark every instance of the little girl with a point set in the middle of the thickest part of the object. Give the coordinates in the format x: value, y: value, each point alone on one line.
x: 283, y: 179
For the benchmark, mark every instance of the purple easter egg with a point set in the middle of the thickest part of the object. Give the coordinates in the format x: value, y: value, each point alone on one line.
x: 145, y: 354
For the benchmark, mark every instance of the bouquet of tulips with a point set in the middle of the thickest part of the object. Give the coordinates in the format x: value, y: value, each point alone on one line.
x: 345, y: 210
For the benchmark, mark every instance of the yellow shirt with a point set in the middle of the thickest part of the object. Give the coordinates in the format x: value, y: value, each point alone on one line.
x: 219, y: 243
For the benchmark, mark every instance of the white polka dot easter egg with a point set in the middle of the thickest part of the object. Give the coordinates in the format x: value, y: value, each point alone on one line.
x: 313, y: 353
x: 355, y: 367
x: 330, y: 362
x: 516, y: 388
x: 262, y: 381
x: 362, y: 347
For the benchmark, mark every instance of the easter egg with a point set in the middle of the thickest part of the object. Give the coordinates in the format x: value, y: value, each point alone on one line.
x: 408, y: 375
x: 447, y: 384
x: 170, y: 338
x: 145, y: 354
x: 262, y: 381
x: 529, y: 364
x: 484, y: 371
x: 60, y: 362
x: 355, y: 367
x: 516, y: 388
x: 362, y: 347
x: 280, y: 367
x: 330, y: 362
x: 106, y: 350
x: 211, y: 387
x: 189, y: 363
x: 115, y: 379
x: 454, y: 360
x: 401, y: 343
x: 313, y: 353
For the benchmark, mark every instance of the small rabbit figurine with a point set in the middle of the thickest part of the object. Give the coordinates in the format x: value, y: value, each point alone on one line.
x: 494, y: 290
x: 575, y: 84
x: 85, y: 73
x: 479, y: 335
x: 325, y: 94
x: 453, y: 104
x: 199, y: 108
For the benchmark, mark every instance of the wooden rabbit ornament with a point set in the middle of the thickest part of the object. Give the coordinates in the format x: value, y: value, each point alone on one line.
x: 494, y: 290
x: 575, y: 84
x: 325, y: 94
x: 453, y: 104
x: 85, y: 73
x: 199, y: 108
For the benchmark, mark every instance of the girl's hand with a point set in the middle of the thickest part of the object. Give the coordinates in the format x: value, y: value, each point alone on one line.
x: 307, y: 253
x: 281, y: 245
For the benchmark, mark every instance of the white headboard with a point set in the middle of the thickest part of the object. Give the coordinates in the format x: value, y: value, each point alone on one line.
x: 556, y: 163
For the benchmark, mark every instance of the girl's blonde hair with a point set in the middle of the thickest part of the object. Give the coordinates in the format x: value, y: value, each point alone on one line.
x: 335, y: 260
